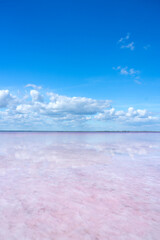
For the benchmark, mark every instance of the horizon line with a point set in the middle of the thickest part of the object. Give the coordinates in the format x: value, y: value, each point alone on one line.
x: 52, y: 131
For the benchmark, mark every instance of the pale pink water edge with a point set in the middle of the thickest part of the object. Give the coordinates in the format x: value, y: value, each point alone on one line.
x: 80, y: 186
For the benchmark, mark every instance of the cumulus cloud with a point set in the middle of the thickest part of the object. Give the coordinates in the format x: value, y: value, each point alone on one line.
x: 63, y: 107
x: 131, y: 115
x: 50, y: 108
x: 23, y: 108
x: 36, y: 96
x: 6, y: 98
x: 124, y: 42
x: 76, y: 105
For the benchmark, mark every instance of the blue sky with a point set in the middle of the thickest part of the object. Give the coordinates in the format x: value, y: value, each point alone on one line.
x: 79, y: 65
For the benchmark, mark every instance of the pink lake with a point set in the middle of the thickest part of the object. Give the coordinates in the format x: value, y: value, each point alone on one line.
x: 80, y: 186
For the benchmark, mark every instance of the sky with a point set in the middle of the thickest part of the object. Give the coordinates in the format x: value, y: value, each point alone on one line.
x: 80, y: 65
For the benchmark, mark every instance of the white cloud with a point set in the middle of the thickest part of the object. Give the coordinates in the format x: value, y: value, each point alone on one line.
x: 147, y: 46
x: 66, y: 111
x: 76, y: 105
x: 129, y: 45
x: 125, y: 38
x: 132, y: 115
x: 5, y: 98
x: 23, y: 108
x: 36, y: 96
x: 125, y: 43
x: 124, y: 71
x: 137, y: 81
x: 58, y: 109
x: 33, y: 86
x: 134, y: 74
x: 130, y: 71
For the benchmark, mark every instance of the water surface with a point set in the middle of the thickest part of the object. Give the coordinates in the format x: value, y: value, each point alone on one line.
x: 80, y: 186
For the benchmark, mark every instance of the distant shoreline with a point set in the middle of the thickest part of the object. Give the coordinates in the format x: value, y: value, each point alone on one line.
x: 40, y: 131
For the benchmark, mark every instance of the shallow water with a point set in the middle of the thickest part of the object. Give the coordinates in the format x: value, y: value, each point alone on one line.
x: 80, y: 186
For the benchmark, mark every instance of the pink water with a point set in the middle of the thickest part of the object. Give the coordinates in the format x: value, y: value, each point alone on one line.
x: 80, y: 186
